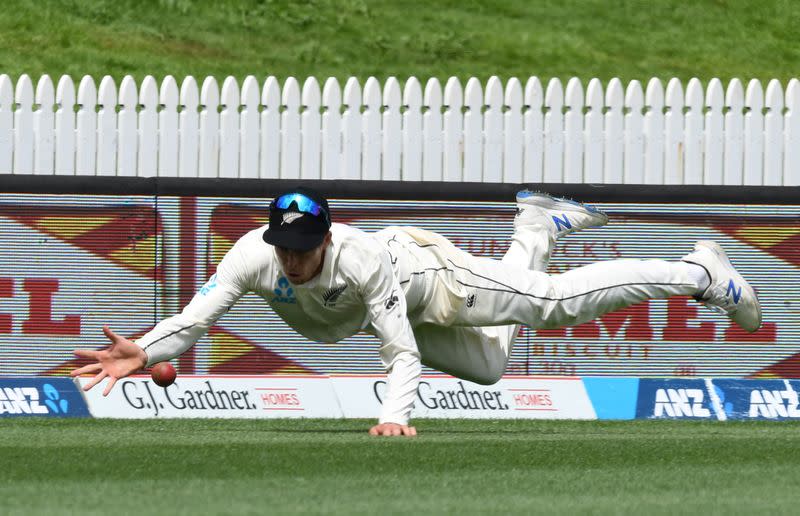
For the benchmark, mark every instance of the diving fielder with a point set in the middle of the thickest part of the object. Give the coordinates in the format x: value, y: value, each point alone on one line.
x: 426, y: 300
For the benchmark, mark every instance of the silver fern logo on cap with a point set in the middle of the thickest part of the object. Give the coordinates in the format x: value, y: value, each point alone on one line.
x: 290, y: 216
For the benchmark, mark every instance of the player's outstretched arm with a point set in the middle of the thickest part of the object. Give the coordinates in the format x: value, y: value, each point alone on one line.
x: 393, y: 429
x: 122, y: 358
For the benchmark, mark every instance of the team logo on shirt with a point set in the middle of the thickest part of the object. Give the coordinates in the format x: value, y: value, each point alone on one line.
x: 391, y: 302
x: 330, y: 296
x: 209, y: 286
x: 284, y: 293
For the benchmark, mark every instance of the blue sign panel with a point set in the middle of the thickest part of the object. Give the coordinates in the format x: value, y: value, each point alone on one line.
x: 758, y: 399
x: 674, y: 399
x: 49, y: 397
x: 612, y: 398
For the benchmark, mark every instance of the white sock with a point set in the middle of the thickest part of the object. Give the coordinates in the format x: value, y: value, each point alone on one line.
x: 699, y: 276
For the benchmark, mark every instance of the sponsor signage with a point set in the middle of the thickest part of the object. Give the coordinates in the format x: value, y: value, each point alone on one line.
x: 216, y: 396
x: 674, y: 399
x: 49, y: 397
x: 612, y: 398
x: 74, y: 254
x: 758, y: 399
x: 448, y: 397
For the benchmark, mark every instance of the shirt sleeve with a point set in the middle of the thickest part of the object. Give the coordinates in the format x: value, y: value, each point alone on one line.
x: 174, y: 335
x: 386, y: 305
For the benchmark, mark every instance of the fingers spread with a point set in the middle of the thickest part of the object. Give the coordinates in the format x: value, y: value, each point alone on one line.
x: 87, y: 353
x: 409, y: 431
x: 111, y: 382
x: 373, y: 430
x: 97, y: 379
x: 113, y: 337
x: 91, y: 368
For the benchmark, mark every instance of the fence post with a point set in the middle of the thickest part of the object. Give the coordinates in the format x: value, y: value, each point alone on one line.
x: 64, y: 127
x: 615, y: 141
x: 189, y: 128
x: 229, y: 128
x: 512, y: 126
x: 371, y: 130
x: 392, y: 141
x: 554, y: 132
x: 673, y: 133
x: 310, y: 127
x: 493, y: 132
x: 23, y: 126
x: 412, y: 131
x: 86, y: 128
x: 270, y: 129
x: 773, y: 134
x: 654, y: 133
x: 44, y: 127
x: 432, y: 132
x: 473, y: 130
x: 573, y: 132
x: 148, y: 128
x: 533, y: 128
x: 331, y: 129
x: 633, y: 163
x: 290, y: 129
x: 168, y: 128
x: 734, y: 134
x: 248, y: 128
x: 209, y: 128
x: 714, y: 134
x: 128, y: 133
x: 754, y: 134
x: 351, y: 130
x: 452, y: 127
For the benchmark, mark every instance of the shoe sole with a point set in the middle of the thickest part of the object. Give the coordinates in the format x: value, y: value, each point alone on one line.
x: 548, y: 202
x: 723, y: 256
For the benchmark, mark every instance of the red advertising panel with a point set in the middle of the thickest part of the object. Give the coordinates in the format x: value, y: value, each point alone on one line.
x: 72, y: 263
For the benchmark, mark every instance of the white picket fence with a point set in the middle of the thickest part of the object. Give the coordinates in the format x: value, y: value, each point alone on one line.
x: 493, y: 133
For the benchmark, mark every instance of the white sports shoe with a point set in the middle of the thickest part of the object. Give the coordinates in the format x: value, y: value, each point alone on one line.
x: 562, y: 216
x: 728, y: 293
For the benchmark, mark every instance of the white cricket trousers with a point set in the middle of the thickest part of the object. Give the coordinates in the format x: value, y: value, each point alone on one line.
x: 496, y: 296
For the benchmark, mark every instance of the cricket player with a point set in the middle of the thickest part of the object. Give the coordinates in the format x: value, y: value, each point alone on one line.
x: 426, y: 300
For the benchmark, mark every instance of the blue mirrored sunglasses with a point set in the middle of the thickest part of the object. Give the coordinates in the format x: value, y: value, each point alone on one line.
x: 304, y: 204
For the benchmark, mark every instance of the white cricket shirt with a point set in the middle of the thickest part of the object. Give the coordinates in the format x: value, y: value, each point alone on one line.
x: 356, y: 290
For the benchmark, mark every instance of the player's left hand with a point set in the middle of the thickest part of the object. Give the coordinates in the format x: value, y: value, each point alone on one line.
x: 393, y: 429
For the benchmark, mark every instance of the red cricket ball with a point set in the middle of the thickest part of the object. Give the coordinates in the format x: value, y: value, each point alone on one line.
x: 163, y: 374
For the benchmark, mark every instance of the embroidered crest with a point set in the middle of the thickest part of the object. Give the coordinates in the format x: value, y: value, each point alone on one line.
x: 391, y: 302
x: 332, y: 294
x: 290, y: 216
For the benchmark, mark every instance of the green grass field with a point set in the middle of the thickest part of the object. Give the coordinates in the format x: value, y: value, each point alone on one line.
x: 630, y: 39
x: 471, y: 467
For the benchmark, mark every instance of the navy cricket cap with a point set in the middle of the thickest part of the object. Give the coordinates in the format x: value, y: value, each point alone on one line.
x: 299, y: 219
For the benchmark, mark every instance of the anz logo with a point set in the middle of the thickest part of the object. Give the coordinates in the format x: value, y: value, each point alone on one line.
x: 680, y: 403
x: 284, y: 293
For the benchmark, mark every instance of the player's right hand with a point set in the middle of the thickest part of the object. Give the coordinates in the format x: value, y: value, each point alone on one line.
x: 122, y: 358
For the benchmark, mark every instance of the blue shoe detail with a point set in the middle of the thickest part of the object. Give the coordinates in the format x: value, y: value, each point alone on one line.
x: 562, y: 224
x: 733, y: 292
x: 524, y: 194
